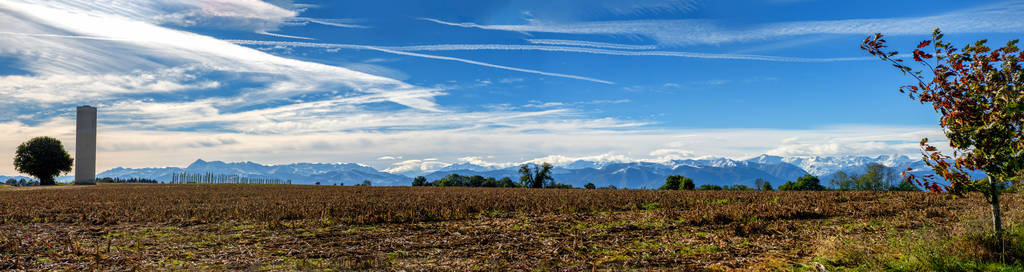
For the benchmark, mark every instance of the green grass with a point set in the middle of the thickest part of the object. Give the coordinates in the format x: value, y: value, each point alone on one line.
x: 928, y: 250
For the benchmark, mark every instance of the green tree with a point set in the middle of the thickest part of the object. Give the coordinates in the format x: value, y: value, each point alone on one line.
x: 809, y: 183
x: 589, y: 185
x: 805, y: 183
x: 476, y: 181
x: 843, y: 181
x: 508, y: 183
x: 43, y: 158
x: 420, y: 181
x: 536, y: 177
x: 906, y: 186
x: 677, y: 182
x: 877, y: 177
x: 366, y: 183
x: 452, y: 180
x: 491, y: 182
x: 688, y: 184
x: 978, y: 92
x: 738, y: 187
x: 759, y: 183
x: 526, y: 176
x: 767, y: 186
x: 710, y: 187
x: 671, y: 183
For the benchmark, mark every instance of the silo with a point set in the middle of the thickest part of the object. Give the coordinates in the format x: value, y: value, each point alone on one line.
x: 85, y: 146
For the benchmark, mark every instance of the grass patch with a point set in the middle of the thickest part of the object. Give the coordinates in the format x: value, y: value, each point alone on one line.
x: 927, y: 250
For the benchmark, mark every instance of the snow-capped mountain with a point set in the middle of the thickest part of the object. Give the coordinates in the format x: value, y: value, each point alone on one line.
x: 639, y: 174
x: 652, y: 175
x: 820, y: 166
x: 5, y: 178
x: 719, y: 171
x: 298, y: 173
x: 469, y: 166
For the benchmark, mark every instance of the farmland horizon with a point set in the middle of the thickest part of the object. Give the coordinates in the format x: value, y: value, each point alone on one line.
x: 555, y: 160
x: 398, y: 87
x: 520, y: 135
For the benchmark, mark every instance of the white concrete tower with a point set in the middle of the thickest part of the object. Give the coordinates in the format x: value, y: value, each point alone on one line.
x: 85, y: 146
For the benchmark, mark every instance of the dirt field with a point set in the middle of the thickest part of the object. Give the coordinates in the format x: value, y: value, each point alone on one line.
x: 271, y: 227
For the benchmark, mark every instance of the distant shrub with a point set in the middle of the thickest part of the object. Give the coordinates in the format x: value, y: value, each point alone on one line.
x: 589, y: 185
x: 559, y: 186
x: 738, y: 187
x: 677, y: 182
x: 671, y: 183
x: 905, y: 186
x: 126, y: 180
x: 688, y: 184
x: 419, y: 181
x: 804, y: 183
x: 710, y: 187
x: 456, y: 180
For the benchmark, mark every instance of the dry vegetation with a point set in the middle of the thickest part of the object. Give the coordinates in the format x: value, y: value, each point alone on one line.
x: 270, y: 227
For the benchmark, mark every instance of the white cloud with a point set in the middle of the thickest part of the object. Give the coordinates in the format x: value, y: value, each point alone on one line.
x: 116, y: 43
x: 79, y: 88
x: 667, y: 154
x: 562, y: 160
x: 477, y: 160
x: 252, y: 15
x: 415, y: 166
x: 1001, y: 17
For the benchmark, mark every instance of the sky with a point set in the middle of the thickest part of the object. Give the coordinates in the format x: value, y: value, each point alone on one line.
x: 412, y: 86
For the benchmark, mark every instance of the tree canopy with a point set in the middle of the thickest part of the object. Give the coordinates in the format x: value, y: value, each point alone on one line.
x: 877, y: 177
x: 979, y: 93
x: 678, y: 182
x: 43, y: 158
x: 805, y: 183
x: 536, y: 177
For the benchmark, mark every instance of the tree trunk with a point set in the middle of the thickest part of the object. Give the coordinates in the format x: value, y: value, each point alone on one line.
x: 47, y: 181
x: 997, y: 216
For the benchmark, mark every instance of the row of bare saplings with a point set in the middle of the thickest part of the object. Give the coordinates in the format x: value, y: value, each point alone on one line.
x: 211, y: 178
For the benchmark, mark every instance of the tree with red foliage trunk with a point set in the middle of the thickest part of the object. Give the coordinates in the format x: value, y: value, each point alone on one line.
x: 979, y: 91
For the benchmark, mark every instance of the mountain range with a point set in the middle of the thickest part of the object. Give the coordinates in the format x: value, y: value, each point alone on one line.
x: 636, y: 174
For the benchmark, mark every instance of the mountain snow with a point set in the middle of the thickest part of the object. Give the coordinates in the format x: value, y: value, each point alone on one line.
x: 637, y: 174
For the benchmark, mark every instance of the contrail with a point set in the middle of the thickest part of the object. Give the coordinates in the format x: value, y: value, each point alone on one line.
x: 282, y: 35
x: 592, y: 44
x: 513, y: 47
x: 392, y: 50
x: 682, y: 54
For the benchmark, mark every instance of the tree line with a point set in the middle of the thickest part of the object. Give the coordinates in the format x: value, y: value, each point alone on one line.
x: 877, y: 177
x: 211, y: 178
x: 538, y: 176
x: 126, y: 180
x: 21, y: 182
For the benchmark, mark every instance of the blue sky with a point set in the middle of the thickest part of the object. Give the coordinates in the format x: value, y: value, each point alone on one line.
x: 411, y: 86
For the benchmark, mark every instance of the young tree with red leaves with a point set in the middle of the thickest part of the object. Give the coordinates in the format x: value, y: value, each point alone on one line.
x: 980, y: 94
